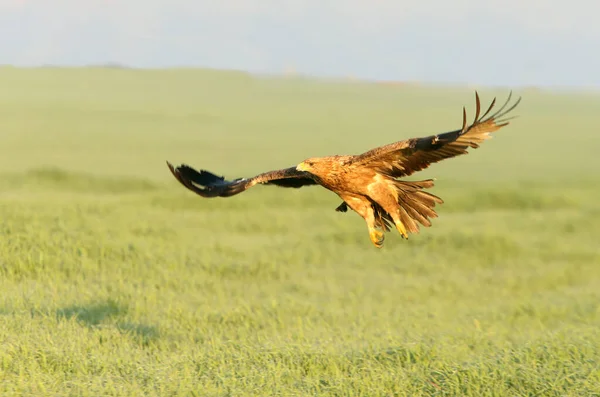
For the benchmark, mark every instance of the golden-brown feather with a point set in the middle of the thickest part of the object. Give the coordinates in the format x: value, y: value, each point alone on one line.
x: 405, y: 157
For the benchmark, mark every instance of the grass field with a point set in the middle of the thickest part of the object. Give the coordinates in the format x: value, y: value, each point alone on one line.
x: 115, y: 280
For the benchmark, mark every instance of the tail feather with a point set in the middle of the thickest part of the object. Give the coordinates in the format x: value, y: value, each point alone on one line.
x: 408, y: 221
x: 414, y: 213
x: 428, y: 198
x: 416, y: 206
x: 424, y: 208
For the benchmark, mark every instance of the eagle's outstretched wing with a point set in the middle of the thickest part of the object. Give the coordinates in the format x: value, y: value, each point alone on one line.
x: 406, y: 157
x: 207, y: 184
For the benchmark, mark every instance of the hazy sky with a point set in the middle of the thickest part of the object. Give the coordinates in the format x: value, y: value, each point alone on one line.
x: 509, y: 42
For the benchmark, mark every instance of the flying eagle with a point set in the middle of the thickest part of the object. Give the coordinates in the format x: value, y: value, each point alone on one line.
x: 368, y: 183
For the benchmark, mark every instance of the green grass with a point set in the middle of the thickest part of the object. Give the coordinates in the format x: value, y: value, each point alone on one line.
x: 115, y: 280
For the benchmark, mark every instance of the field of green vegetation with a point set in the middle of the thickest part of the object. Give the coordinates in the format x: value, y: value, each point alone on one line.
x: 115, y: 280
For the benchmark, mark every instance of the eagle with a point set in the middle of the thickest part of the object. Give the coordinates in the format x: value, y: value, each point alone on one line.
x: 369, y: 183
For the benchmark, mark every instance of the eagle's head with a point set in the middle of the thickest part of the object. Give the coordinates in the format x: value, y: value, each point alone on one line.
x: 308, y: 165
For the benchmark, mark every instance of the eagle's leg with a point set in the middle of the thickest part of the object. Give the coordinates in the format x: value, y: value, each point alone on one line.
x: 376, y: 236
x: 390, y: 205
x: 401, y: 228
x: 363, y: 207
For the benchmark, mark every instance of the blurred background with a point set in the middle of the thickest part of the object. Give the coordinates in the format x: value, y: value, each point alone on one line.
x: 510, y: 42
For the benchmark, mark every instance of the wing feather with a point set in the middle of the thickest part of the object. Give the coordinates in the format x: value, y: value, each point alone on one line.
x: 207, y: 184
x: 405, y: 157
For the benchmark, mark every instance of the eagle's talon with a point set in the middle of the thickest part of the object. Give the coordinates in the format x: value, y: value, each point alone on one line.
x: 377, y: 238
x: 402, y: 230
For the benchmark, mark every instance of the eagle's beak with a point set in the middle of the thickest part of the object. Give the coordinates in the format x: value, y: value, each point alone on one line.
x: 302, y: 167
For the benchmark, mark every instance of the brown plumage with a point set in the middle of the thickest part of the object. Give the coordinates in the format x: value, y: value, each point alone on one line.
x: 368, y: 183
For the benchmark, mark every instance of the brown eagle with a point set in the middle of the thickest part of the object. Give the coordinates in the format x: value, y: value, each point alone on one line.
x: 368, y: 183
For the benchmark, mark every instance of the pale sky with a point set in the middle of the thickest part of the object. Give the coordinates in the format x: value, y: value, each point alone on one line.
x: 508, y: 42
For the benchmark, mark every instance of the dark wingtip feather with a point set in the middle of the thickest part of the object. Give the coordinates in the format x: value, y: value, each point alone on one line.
x: 205, y: 183
x: 489, y: 109
x: 202, y: 177
x: 171, y: 168
x: 177, y: 175
x: 500, y: 112
x: 477, y: 107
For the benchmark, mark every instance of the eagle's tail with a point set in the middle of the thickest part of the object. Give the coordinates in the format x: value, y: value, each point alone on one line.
x: 415, y: 204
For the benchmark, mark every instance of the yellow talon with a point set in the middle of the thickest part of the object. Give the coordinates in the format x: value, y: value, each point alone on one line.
x: 377, y: 237
x: 402, y: 229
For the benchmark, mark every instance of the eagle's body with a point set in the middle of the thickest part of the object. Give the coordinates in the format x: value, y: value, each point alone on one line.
x: 368, y: 183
